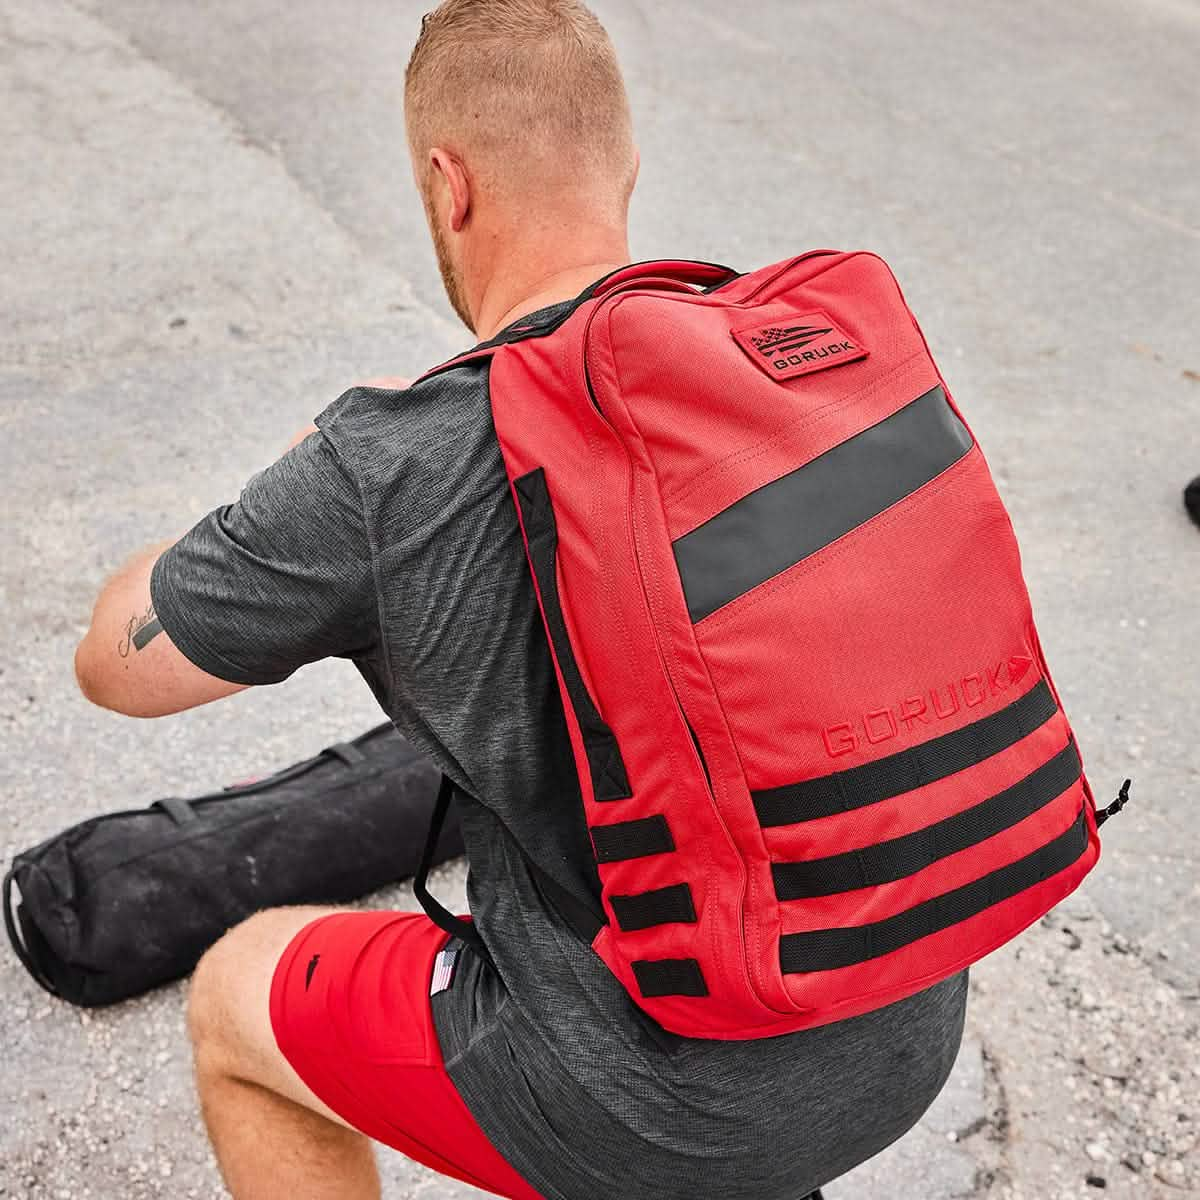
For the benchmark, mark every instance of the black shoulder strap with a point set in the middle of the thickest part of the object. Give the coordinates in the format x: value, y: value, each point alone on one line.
x: 579, y: 917
x: 440, y: 916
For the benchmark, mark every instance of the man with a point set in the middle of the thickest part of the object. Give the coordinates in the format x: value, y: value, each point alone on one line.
x: 389, y: 537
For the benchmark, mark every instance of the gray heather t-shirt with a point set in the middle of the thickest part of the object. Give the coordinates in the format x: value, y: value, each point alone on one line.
x: 390, y: 538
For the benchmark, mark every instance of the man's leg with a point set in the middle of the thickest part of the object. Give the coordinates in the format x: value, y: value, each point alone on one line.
x: 271, y: 1135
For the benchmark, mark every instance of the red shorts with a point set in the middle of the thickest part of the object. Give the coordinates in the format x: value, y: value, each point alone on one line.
x: 350, y: 1010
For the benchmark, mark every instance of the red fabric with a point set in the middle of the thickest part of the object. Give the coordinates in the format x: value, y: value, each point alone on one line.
x: 360, y: 1034
x: 649, y: 414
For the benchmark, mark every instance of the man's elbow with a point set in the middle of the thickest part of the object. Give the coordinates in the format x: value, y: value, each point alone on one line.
x: 96, y: 682
x: 88, y: 675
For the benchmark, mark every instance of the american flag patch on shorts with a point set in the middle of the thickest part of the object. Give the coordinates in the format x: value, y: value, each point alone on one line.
x: 443, y: 968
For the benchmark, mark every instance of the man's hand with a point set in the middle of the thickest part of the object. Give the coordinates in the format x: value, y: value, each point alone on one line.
x: 128, y: 664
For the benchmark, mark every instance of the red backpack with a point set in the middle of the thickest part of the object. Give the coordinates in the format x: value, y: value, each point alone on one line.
x: 822, y: 760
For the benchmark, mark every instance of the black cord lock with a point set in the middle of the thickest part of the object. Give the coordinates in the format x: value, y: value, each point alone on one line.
x: 1116, y: 806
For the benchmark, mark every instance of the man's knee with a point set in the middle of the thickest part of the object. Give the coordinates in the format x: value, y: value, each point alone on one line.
x: 233, y: 972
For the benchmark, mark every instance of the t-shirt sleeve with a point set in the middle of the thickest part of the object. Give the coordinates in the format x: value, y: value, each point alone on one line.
x: 280, y: 578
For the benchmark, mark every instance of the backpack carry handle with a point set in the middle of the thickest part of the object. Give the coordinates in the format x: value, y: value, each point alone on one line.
x: 702, y: 275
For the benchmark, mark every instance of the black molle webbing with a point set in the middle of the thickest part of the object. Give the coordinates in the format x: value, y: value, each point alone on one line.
x: 907, y: 770
x: 899, y: 857
x: 609, y: 781
x: 669, y: 977
x: 829, y: 949
x: 662, y: 906
x: 632, y: 839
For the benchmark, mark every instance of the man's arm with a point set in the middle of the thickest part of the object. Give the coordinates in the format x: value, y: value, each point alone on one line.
x: 280, y: 578
x: 127, y: 663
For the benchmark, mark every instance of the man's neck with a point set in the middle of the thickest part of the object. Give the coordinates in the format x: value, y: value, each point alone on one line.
x: 513, y: 293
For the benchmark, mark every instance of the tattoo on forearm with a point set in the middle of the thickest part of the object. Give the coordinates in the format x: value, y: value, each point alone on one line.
x: 139, y: 631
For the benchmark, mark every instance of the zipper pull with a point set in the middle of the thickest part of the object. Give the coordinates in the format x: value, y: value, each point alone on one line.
x: 1116, y: 806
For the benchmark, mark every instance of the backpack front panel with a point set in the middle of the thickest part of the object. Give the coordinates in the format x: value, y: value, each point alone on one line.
x: 910, y: 623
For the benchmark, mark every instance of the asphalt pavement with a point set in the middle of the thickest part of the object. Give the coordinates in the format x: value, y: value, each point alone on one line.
x: 208, y: 230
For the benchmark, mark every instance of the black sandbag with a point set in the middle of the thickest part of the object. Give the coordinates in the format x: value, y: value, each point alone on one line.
x: 126, y: 901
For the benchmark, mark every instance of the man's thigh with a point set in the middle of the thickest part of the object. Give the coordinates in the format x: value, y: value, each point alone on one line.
x: 229, y: 1006
x: 330, y: 1007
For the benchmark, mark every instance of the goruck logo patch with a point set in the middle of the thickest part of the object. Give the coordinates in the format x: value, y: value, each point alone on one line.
x: 799, y: 345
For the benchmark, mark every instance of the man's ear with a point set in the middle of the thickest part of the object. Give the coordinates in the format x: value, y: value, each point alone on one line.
x: 458, y: 185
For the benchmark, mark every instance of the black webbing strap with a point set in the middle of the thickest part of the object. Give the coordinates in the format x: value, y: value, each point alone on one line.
x: 829, y: 949
x: 897, y: 858
x: 440, y: 916
x: 583, y: 921
x: 669, y: 977
x: 609, y: 780
x: 909, y: 769
x: 662, y: 906
x: 632, y: 839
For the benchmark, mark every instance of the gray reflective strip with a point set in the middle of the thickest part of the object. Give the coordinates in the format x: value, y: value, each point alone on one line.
x: 783, y: 522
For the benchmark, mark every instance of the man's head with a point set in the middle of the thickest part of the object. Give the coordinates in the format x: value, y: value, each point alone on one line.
x: 520, y: 135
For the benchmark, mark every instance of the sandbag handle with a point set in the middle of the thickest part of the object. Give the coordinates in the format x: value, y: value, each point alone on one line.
x: 178, y: 809
x: 442, y: 917
x: 347, y: 752
x: 19, y: 948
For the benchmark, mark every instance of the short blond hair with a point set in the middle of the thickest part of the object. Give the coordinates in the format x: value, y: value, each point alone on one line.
x: 529, y: 89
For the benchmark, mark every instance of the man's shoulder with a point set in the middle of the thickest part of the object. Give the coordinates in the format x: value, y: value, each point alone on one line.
x: 432, y: 440
x: 364, y: 406
x: 361, y: 415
